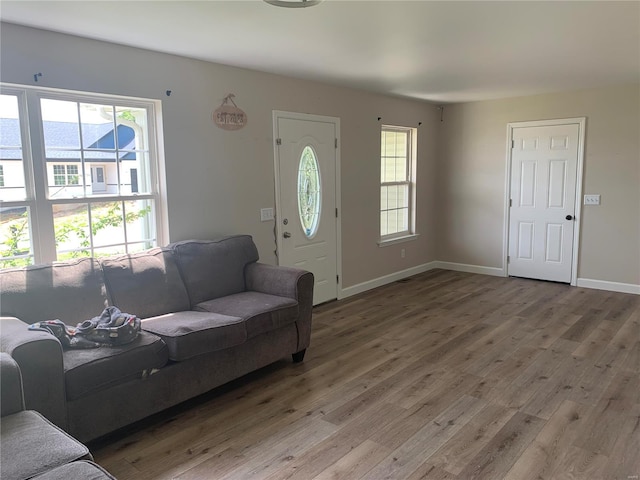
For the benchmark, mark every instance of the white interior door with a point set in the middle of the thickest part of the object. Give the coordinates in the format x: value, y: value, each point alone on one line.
x: 544, y: 162
x: 306, y: 213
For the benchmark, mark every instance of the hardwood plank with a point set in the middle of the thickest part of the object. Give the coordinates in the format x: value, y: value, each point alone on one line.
x: 546, y: 453
x: 624, y: 461
x: 429, y: 472
x: 620, y: 347
x: 409, y: 456
x: 580, y: 330
x: 605, y: 421
x: 579, y: 464
x: 429, y: 407
x: 356, y: 463
x: 562, y: 382
x: 455, y: 454
x: 504, y: 449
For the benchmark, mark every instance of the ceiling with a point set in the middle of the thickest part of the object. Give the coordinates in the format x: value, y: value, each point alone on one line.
x: 451, y: 51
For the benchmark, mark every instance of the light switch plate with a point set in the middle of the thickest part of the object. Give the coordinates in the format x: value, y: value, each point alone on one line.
x: 592, y: 199
x: 266, y: 214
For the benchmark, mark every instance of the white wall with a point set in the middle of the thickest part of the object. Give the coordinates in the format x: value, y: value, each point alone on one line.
x: 471, y: 179
x: 218, y: 180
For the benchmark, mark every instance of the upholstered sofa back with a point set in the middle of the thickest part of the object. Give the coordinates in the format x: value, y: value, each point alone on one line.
x: 214, y: 268
x: 71, y: 291
x: 145, y: 284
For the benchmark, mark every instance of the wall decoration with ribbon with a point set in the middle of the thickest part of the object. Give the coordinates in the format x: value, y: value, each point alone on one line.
x: 228, y: 116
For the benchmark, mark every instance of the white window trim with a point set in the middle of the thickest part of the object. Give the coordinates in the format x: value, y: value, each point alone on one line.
x: 409, y: 234
x: 395, y: 240
x: 37, y: 192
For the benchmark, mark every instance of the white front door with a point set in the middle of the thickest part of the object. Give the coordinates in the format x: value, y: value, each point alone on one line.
x: 98, y: 179
x: 306, y: 213
x: 544, y: 161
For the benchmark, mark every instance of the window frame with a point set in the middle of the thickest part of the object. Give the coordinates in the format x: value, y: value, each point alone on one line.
x: 410, y: 182
x: 37, y: 197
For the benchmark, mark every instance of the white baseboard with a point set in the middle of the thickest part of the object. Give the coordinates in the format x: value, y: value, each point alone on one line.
x: 611, y: 286
x: 380, y: 281
x: 461, y: 267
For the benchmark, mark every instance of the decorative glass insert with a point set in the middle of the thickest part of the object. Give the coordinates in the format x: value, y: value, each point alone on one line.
x: 309, y: 192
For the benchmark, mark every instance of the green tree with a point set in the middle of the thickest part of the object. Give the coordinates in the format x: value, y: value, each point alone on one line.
x: 75, y: 226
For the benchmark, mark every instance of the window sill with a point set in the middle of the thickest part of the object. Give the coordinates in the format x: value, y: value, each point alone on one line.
x: 396, y: 240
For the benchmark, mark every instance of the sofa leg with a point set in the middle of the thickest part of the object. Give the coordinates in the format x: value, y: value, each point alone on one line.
x: 298, y: 356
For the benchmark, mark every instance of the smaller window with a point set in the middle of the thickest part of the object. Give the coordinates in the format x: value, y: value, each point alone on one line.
x: 1, y: 176
x: 66, y: 175
x: 396, y: 182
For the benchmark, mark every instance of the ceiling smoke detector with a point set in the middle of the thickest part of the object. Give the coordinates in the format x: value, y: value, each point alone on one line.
x: 293, y: 3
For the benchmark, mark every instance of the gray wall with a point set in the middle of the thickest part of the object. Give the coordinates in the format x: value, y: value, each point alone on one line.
x: 217, y: 181
x: 472, y: 168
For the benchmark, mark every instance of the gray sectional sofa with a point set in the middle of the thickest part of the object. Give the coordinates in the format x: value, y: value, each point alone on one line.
x: 210, y: 313
x: 30, y: 445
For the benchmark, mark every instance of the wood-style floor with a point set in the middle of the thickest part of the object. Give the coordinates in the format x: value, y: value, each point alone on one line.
x: 445, y: 375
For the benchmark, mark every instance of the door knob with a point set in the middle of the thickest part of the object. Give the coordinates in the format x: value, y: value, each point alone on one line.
x: 569, y: 217
x: 287, y: 235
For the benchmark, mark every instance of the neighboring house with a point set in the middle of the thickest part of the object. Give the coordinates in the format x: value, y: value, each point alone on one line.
x: 64, y: 160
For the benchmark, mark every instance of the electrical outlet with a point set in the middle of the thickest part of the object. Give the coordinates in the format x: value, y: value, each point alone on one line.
x: 592, y: 199
x: 266, y: 214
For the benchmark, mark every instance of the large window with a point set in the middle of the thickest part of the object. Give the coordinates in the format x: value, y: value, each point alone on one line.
x: 80, y: 175
x: 396, y: 182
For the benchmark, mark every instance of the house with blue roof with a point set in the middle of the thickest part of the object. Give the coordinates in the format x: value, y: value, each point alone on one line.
x: 80, y: 159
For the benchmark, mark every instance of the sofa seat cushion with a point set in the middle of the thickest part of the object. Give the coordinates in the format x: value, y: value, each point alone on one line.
x: 30, y: 445
x: 190, y: 333
x: 93, y: 369
x: 81, y: 469
x: 261, y: 312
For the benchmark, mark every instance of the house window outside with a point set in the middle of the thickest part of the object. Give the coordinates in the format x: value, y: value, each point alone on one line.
x: 397, y: 186
x: 52, y: 161
x: 65, y: 175
x: 1, y: 176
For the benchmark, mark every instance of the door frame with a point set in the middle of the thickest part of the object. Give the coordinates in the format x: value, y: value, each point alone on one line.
x: 581, y: 122
x: 278, y: 230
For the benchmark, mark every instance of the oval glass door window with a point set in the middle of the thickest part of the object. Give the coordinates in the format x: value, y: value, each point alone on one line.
x: 309, y: 192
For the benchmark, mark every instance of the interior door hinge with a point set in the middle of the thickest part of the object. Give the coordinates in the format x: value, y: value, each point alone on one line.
x: 278, y: 141
x: 337, y: 278
x: 513, y: 144
x: 336, y: 143
x: 508, y: 259
x: 511, y: 202
x: 336, y: 212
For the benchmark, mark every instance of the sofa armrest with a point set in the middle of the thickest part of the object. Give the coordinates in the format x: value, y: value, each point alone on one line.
x: 286, y: 282
x: 39, y: 357
x: 11, y: 399
x: 277, y: 280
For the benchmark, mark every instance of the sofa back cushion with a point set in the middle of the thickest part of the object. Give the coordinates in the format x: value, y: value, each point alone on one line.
x: 146, y: 284
x: 214, y: 268
x: 71, y: 291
